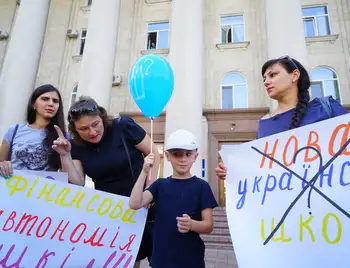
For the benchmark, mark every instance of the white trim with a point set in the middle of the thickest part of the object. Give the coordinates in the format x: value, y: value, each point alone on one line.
x: 75, y: 88
x: 160, y: 51
x: 323, y: 38
x: 233, y: 89
x: 235, y: 45
x: 86, y: 7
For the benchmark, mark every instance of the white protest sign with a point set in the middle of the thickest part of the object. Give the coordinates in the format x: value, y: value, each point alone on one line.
x: 288, y: 198
x: 46, y: 223
x: 50, y: 175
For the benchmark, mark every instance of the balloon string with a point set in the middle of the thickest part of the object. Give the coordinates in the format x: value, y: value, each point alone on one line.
x: 150, y: 172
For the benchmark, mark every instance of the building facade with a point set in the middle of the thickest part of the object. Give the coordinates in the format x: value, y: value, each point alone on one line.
x: 215, y: 47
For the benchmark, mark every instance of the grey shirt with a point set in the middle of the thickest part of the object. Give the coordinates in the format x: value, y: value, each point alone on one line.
x: 28, y: 151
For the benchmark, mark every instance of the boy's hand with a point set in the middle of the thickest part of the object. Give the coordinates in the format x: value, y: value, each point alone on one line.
x: 184, y: 223
x: 148, y: 163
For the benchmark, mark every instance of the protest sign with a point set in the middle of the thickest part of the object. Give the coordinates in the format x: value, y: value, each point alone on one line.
x: 288, y: 201
x: 47, y: 223
x: 50, y: 175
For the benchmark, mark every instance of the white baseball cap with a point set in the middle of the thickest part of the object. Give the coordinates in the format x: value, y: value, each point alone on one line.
x: 181, y: 139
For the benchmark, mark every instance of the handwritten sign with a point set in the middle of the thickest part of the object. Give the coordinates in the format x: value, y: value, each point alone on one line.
x: 50, y: 175
x: 288, y: 197
x: 47, y: 223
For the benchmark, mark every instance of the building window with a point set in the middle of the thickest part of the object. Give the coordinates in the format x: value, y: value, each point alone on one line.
x: 233, y: 91
x: 157, y: 35
x: 232, y: 29
x: 316, y: 21
x: 82, y: 41
x: 324, y: 82
x: 73, y: 96
x: 88, y: 2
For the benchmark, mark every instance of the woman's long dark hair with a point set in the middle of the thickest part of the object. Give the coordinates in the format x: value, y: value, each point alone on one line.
x: 290, y: 64
x: 54, y: 160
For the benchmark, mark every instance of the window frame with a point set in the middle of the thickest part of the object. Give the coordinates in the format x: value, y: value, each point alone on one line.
x: 233, y: 90
x: 81, y: 38
x: 156, y: 31
x: 314, y: 19
x: 75, y: 93
x: 321, y: 81
x: 231, y: 25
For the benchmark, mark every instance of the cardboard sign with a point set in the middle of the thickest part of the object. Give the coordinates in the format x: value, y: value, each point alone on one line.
x: 47, y: 223
x: 288, y: 197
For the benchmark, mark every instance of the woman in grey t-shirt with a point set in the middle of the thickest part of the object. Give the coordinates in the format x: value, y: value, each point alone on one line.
x: 32, y: 142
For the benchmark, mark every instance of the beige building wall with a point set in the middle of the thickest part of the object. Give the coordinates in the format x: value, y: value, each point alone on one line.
x: 333, y: 51
x: 245, y: 58
x: 60, y: 62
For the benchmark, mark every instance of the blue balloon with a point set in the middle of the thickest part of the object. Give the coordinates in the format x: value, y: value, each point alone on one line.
x: 151, y: 82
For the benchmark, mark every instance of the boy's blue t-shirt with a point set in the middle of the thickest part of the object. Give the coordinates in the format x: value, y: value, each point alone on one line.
x: 173, y: 198
x: 315, y: 112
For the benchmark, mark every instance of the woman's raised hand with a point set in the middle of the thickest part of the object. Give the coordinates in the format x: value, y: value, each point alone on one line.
x: 61, y: 145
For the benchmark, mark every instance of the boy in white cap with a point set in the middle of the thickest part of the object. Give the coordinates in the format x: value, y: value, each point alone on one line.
x: 184, y: 206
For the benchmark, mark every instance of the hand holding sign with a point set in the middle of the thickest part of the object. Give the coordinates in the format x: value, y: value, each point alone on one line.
x: 61, y: 145
x: 221, y: 171
x: 5, y: 169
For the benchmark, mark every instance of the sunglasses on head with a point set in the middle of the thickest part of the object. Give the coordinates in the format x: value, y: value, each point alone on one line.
x: 286, y: 57
x: 82, y: 108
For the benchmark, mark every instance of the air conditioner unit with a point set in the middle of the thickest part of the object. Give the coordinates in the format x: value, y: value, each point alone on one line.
x: 72, y: 34
x: 117, y: 80
x: 4, y: 35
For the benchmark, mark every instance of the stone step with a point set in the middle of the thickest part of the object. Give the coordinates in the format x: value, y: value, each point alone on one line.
x: 219, y: 212
x: 220, y: 258
x: 222, y: 246
x: 219, y: 208
x: 220, y: 224
x: 217, y: 238
x: 219, y: 218
x: 221, y: 230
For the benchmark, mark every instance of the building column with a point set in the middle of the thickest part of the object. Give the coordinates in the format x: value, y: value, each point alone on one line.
x: 285, y: 31
x: 186, y: 58
x: 19, y: 70
x: 99, y: 52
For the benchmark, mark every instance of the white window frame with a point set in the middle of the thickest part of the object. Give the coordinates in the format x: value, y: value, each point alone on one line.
x: 157, y: 31
x: 74, y: 93
x: 231, y: 25
x: 322, y: 81
x: 80, y: 41
x: 233, y: 90
x: 314, y: 19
